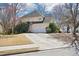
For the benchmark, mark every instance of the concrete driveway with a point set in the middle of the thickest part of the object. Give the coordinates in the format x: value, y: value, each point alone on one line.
x: 45, y: 41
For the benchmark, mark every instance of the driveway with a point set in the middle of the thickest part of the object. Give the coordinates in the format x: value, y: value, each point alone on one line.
x: 45, y: 41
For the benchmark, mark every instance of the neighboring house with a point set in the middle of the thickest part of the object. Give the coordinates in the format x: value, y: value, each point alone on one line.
x: 38, y: 22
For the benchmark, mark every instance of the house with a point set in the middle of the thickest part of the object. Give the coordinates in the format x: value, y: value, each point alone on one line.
x: 38, y: 22
x: 1, y: 30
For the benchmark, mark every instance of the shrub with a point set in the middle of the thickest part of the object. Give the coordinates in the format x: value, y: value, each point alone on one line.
x: 21, y: 28
x: 52, y: 28
x: 48, y: 30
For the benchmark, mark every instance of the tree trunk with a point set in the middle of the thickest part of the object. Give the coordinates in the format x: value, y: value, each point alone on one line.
x: 14, y: 17
x: 68, y: 28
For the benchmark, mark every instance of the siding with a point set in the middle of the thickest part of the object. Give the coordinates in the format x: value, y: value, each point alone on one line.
x: 32, y: 19
x: 1, y: 29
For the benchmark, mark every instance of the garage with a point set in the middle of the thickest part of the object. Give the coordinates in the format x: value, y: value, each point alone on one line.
x: 38, y: 28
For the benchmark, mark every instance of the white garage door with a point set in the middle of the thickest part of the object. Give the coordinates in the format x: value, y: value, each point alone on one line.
x: 38, y: 28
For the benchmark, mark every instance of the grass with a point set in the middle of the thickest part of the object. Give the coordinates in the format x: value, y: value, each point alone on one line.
x: 12, y: 40
x: 66, y: 37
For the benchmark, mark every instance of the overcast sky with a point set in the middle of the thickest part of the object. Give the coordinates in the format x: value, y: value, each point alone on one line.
x: 49, y: 6
x: 32, y: 6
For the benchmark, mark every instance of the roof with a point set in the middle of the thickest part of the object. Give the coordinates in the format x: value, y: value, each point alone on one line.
x: 32, y: 14
x: 36, y: 14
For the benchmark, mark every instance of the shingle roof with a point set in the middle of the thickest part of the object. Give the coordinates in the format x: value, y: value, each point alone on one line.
x: 33, y: 13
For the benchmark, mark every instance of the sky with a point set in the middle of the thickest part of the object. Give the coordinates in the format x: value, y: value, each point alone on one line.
x: 49, y: 6
x: 39, y: 7
x: 35, y: 6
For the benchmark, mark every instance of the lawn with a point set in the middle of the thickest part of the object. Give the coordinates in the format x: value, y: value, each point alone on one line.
x: 66, y: 37
x: 12, y: 40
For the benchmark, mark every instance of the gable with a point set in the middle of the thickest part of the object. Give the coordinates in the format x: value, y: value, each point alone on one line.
x: 33, y: 14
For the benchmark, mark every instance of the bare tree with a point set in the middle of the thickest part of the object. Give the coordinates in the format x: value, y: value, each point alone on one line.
x: 69, y: 16
x: 61, y: 14
x: 16, y: 8
x: 5, y: 17
x: 8, y: 16
x: 73, y: 9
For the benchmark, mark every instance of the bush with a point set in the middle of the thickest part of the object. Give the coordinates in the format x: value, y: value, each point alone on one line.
x: 52, y: 28
x: 21, y: 28
x: 48, y: 30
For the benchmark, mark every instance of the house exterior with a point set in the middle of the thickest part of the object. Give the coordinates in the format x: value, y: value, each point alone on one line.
x: 38, y: 22
x: 1, y: 30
